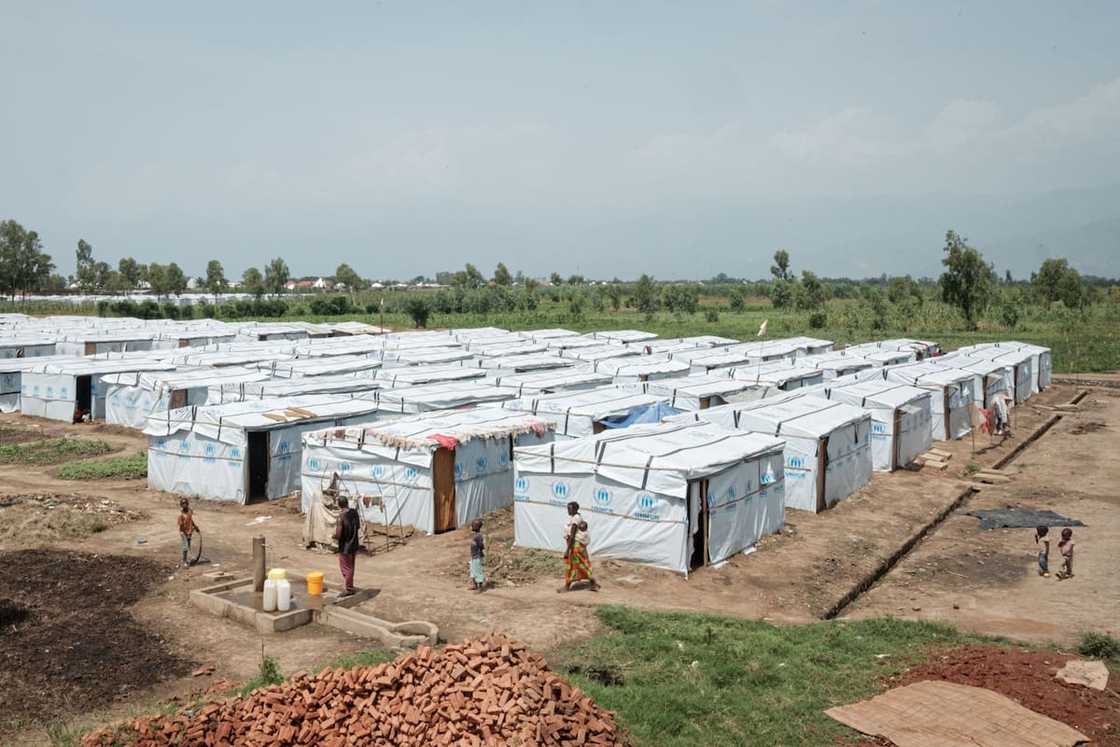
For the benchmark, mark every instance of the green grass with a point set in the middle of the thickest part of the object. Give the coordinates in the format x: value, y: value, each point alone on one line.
x: 132, y: 467
x: 368, y: 658
x: 53, y: 451
x: 1099, y: 646
x: 703, y: 680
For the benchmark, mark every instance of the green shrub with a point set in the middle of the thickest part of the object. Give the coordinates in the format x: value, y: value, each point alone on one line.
x: 1099, y: 646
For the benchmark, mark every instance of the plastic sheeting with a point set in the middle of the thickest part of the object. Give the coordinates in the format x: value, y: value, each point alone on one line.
x: 629, y: 518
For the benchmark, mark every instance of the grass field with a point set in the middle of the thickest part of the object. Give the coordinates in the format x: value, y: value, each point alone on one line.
x: 53, y: 451
x: 686, y: 679
x: 118, y: 468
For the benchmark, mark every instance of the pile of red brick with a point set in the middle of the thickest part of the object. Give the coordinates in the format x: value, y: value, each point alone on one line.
x: 484, y: 692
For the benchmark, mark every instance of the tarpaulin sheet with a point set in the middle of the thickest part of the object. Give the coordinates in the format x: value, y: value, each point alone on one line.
x: 648, y: 414
x: 1021, y: 518
x: 945, y: 714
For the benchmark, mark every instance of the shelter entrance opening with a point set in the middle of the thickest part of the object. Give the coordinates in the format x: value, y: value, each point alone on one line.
x: 258, y: 455
x: 83, y: 398
x: 443, y: 489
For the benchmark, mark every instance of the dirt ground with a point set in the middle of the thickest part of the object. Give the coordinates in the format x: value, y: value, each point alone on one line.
x: 1027, y: 677
x: 69, y: 644
x: 987, y: 580
x: 792, y: 577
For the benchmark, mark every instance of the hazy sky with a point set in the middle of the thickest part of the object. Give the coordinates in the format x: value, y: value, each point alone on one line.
x: 681, y: 139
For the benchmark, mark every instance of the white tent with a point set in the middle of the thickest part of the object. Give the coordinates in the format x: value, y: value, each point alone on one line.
x: 96, y: 341
x: 571, y: 379
x: 575, y: 342
x: 880, y: 356
x: 70, y: 389
x: 601, y: 352
x: 421, y: 375
x: 643, y: 368
x: 833, y: 366
x: 529, y: 362
x: 920, y: 348
x: 11, y: 377
x: 782, y: 375
x: 264, y: 332
x: 900, y: 416
x: 709, y: 360
x: 222, y: 358
x: 26, y: 347
x: 338, y: 384
x: 427, y: 357
x: 700, y: 391
x: 952, y: 401
x: 442, y: 396
x: 364, y: 345
x: 241, y: 451
x: 436, y: 471
x: 582, y: 413
x: 1032, y: 364
x: 131, y: 397
x: 624, y: 336
x: 356, y: 365
x: 547, y: 334
x: 504, y: 347
x: 990, y: 378
x: 189, y: 337
x: 468, y: 334
x: 828, y: 449
x: 671, y: 496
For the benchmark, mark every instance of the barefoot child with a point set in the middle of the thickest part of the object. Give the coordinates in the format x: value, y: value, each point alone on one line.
x: 187, y: 528
x: 478, y: 577
x: 1065, y: 547
x: 1043, y: 543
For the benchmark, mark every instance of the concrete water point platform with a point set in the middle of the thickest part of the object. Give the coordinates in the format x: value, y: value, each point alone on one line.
x: 236, y: 600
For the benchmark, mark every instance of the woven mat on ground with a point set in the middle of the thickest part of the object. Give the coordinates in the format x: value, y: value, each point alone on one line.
x: 945, y: 714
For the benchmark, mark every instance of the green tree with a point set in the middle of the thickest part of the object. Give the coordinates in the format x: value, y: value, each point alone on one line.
x: 276, y: 276
x: 813, y: 295
x: 24, y: 266
x: 780, y: 268
x: 418, y: 309
x: 1071, y: 291
x: 253, y: 282
x: 782, y: 293
x: 901, y: 288
x: 346, y: 275
x: 736, y: 300
x: 86, y: 269
x: 614, y: 293
x: 576, y: 280
x: 1045, y: 282
x: 1010, y: 309
x: 176, y: 279
x: 645, y: 295
x: 129, y: 269
x: 502, y: 276
x: 555, y: 279
x: 158, y: 280
x: 967, y: 281
x: 215, y: 278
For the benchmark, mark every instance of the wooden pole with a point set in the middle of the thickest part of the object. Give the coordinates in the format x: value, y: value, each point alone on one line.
x: 258, y: 563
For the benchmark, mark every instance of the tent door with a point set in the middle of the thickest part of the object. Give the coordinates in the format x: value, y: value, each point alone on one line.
x: 178, y: 399
x: 822, y: 467
x: 183, y: 343
x: 896, y: 440
x: 597, y: 427
x: 90, y: 348
x: 443, y: 489
x: 705, y: 403
x: 259, y: 454
x: 945, y: 415
x: 83, y: 398
x: 699, y: 554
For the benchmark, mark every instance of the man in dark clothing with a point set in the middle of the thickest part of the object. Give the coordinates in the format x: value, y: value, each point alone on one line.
x: 346, y: 536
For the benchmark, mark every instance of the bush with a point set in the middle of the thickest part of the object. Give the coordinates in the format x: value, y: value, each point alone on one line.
x: 418, y: 310
x: 335, y: 305
x: 818, y: 320
x: 1099, y: 646
x: 170, y: 311
x: 711, y: 315
x: 148, y: 309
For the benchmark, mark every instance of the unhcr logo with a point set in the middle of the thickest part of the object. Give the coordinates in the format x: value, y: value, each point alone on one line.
x: 313, y: 463
x: 410, y: 473
x: 560, y: 491
x: 878, y: 428
x: 345, y: 466
x: 521, y: 489
x: 209, y: 453
x: 503, y: 460
x: 647, y: 507
x: 378, y: 471
x: 480, y: 463
x: 603, y: 498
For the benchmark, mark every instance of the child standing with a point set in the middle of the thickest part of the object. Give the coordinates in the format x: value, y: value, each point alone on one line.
x: 1066, y: 548
x: 478, y: 577
x: 187, y: 528
x: 1043, y: 543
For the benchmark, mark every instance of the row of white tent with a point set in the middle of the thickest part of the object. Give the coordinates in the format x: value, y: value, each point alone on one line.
x: 683, y: 451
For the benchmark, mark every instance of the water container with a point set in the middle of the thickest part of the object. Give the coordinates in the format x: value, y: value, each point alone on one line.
x: 314, y: 583
x: 269, y: 601
x: 283, y: 595
x: 277, y: 574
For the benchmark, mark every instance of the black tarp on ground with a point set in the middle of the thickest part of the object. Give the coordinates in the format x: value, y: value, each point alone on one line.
x: 1021, y: 518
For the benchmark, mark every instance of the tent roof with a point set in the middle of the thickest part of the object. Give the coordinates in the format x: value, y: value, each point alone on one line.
x: 877, y: 393
x: 597, y: 404
x: 534, y: 381
x: 600, y: 352
x: 419, y: 356
x: 928, y: 373
x: 99, y: 366
x: 527, y: 362
x: 321, y: 366
x: 624, y: 335
x: 419, y: 375
x: 697, y: 385
x: 228, y: 422
x: 183, y: 378
x: 661, y: 458
x: 442, y: 396
x: 802, y: 415
x: 432, y: 430
x: 644, y: 365
x: 547, y: 334
x: 337, y: 384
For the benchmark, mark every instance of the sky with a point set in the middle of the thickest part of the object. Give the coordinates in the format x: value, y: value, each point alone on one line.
x: 606, y: 139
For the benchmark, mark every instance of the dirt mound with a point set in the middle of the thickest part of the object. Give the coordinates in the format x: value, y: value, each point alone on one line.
x: 32, y: 520
x: 488, y: 691
x: 77, y: 647
x: 1027, y: 677
x: 1083, y: 428
x: 504, y: 564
